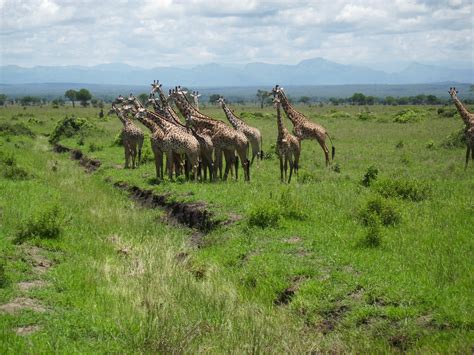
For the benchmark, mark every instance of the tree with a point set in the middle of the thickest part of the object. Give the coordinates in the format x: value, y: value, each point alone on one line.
x: 213, y: 98
x: 3, y: 98
x: 262, y: 95
x: 432, y: 100
x: 143, y: 97
x: 304, y: 100
x: 83, y: 96
x: 29, y: 100
x: 71, y: 95
x: 390, y: 100
x: 358, y: 99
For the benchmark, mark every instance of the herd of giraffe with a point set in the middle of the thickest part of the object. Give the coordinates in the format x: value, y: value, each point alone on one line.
x: 197, y: 147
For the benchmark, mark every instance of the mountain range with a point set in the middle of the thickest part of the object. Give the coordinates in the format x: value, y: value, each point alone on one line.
x: 315, y: 71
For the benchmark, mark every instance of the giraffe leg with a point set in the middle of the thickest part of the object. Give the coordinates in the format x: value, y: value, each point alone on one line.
x: 286, y: 165
x: 134, y: 155
x: 326, y: 151
x: 281, y: 168
x: 291, y: 168
x: 140, y: 145
x: 169, y: 162
x: 127, y: 155
x: 467, y: 156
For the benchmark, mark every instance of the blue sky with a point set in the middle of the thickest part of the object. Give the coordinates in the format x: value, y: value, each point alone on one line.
x: 376, y: 33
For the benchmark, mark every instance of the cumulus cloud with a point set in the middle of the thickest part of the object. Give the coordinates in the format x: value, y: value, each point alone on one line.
x: 151, y: 33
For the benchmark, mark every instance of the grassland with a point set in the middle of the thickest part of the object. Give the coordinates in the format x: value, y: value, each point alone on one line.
x: 323, y: 264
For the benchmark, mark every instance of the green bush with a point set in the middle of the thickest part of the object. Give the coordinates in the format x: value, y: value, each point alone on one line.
x: 339, y: 114
x: 10, y: 169
x: 264, y: 214
x: 447, y: 111
x: 373, y: 238
x: 95, y: 147
x: 3, y: 276
x: 291, y: 206
x: 69, y: 126
x: 118, y: 140
x: 45, y: 225
x: 16, y: 129
x: 407, y: 116
x: 385, y: 210
x: 370, y: 176
x: 366, y: 116
x: 412, y: 190
x: 455, y: 139
x: 255, y: 115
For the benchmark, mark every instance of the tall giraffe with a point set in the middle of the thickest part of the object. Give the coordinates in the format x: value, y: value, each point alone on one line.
x: 468, y: 119
x: 204, y: 139
x: 288, y: 146
x: 302, y: 127
x: 226, y: 140
x: 176, y: 140
x: 156, y: 140
x: 132, y: 138
x: 253, y: 134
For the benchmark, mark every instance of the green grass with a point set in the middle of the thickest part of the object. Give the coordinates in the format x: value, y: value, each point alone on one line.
x: 410, y: 290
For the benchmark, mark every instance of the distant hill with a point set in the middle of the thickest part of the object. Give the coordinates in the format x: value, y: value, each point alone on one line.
x: 315, y: 71
x: 247, y: 93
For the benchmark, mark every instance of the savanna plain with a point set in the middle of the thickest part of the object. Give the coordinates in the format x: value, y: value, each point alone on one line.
x: 372, y: 254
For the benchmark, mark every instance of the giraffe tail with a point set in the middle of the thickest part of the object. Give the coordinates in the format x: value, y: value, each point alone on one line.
x: 261, y: 147
x: 333, y: 148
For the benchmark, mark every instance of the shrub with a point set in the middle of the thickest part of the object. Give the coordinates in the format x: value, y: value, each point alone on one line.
x: 3, y: 276
x: 291, y: 206
x: 45, y: 225
x: 455, y: 139
x: 373, y: 238
x: 264, y: 214
x: 118, y: 140
x: 412, y: 190
x: 69, y: 126
x: 430, y: 145
x: 16, y: 129
x: 406, y: 116
x: 95, y: 147
x: 447, y: 111
x: 336, y: 168
x: 370, y: 176
x: 385, y: 210
x: 366, y: 116
x: 10, y: 170
x: 399, y: 145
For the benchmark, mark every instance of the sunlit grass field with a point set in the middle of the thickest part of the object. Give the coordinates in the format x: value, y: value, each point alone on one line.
x: 326, y: 263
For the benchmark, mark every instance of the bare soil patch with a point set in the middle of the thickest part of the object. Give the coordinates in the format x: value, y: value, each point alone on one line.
x: 29, y: 329
x: 40, y: 263
x: 21, y: 303
x: 28, y: 285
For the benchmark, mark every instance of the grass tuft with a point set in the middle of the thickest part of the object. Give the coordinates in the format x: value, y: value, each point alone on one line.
x: 48, y: 224
x: 413, y: 190
x: 370, y: 176
x: 384, y: 209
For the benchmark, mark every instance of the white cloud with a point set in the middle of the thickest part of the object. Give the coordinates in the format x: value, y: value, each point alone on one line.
x: 169, y: 32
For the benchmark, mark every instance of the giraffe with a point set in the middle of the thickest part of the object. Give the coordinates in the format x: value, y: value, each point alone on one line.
x: 253, y: 134
x: 288, y: 146
x: 195, y: 95
x: 204, y: 139
x: 132, y: 138
x: 225, y: 139
x: 175, y: 139
x: 302, y: 127
x: 468, y: 119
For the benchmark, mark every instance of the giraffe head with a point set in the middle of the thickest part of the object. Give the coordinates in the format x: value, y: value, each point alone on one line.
x: 155, y: 86
x: 277, y: 90
x: 453, y: 92
x: 119, y: 100
x: 151, y: 101
x: 140, y: 113
x: 221, y: 102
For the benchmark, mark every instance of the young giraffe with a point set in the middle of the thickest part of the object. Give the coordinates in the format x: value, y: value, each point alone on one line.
x: 132, y: 138
x: 175, y: 140
x: 156, y: 141
x: 253, y: 134
x: 468, y: 119
x: 204, y: 139
x: 302, y: 127
x: 225, y: 139
x: 288, y: 146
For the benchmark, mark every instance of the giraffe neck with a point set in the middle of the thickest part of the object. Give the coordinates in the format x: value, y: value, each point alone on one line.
x: 461, y: 109
x: 183, y: 106
x: 281, y: 128
x: 292, y: 114
x: 161, y: 121
x: 196, y: 102
x: 234, y: 121
x: 152, y: 126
